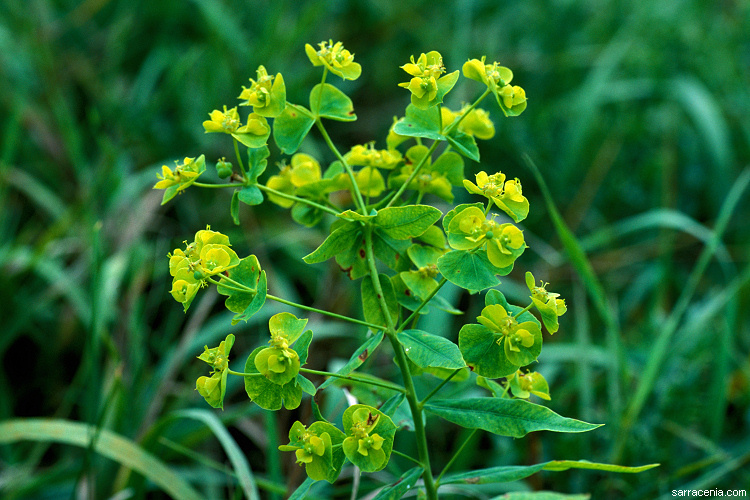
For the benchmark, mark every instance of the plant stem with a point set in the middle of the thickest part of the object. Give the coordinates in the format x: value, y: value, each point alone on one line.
x: 434, y: 145
x: 206, y: 185
x: 404, y: 455
x: 455, y: 456
x: 424, y: 303
x: 438, y: 387
x: 355, y: 188
x: 351, y: 378
x: 371, y: 326
x: 239, y: 158
x: 403, y: 364
x: 281, y: 194
x: 523, y: 310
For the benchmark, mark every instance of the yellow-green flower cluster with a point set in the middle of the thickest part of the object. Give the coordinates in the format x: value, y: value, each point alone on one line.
x: 207, y: 256
x: 470, y: 229
x: 368, y: 156
x: 476, y: 123
x: 213, y: 388
x: 427, y: 86
x: 304, y: 170
x: 510, y: 98
x: 179, y: 179
x: 335, y: 58
x: 362, y: 441
x: 547, y: 303
x: 525, y: 384
x: 279, y: 363
x: 267, y: 95
x: 515, y: 338
x: 506, y: 194
x: 253, y: 134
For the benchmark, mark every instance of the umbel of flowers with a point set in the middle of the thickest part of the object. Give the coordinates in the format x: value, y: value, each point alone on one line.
x: 382, y: 233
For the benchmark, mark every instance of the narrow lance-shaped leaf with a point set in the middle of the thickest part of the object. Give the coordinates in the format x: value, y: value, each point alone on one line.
x: 406, y: 222
x: 506, y: 417
x: 360, y: 356
x: 426, y: 349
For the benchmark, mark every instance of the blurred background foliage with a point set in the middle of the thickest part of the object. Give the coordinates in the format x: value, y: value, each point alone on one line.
x: 638, y: 119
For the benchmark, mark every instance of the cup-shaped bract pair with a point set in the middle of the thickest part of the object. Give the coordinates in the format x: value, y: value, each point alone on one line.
x: 476, y: 123
x: 179, y: 179
x: 279, y: 363
x: 506, y: 194
x: 525, y: 384
x: 510, y: 98
x: 214, y: 388
x: 470, y: 229
x: 267, y: 95
x: 304, y: 170
x: 314, y: 448
x: 549, y: 305
x: 254, y: 134
x: 335, y: 58
x: 427, y: 86
x: 369, y: 438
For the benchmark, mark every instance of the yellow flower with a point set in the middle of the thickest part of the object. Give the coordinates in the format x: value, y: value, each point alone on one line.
x: 335, y: 58
x: 516, y: 338
x: 368, y: 156
x: 266, y: 95
x: 512, y: 100
x: 507, y: 195
x: 227, y: 121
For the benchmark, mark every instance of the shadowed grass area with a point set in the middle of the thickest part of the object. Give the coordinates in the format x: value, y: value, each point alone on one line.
x: 637, y: 124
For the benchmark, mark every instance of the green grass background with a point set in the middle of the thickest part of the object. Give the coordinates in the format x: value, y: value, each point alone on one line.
x: 638, y: 121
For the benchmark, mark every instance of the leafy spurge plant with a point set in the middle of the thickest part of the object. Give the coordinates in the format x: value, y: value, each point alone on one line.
x: 398, y: 247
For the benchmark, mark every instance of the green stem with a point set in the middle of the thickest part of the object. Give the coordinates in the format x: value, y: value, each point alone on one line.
x: 515, y: 316
x: 237, y: 285
x: 434, y: 145
x: 424, y: 303
x: 355, y: 188
x: 371, y: 326
x: 438, y: 387
x: 351, y: 378
x: 404, y: 455
x: 229, y: 185
x: 403, y: 364
x: 281, y: 194
x: 455, y: 456
x: 242, y: 374
x: 239, y: 158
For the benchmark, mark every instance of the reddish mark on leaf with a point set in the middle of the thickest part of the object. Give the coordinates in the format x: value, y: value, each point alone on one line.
x: 363, y: 356
x: 407, y: 292
x: 471, y: 367
x: 362, y: 252
x: 293, y: 114
x: 398, y: 256
x: 379, y: 296
x: 351, y: 113
x: 371, y: 419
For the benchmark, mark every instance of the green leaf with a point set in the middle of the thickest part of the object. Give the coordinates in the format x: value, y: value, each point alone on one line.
x: 234, y: 207
x: 482, y: 353
x: 248, y: 273
x: 265, y: 393
x: 427, y: 349
x: 301, y: 492
x: 306, y: 385
x: 304, y: 214
x: 496, y: 297
x: 544, y: 495
x: 256, y: 304
x: 420, y: 123
x: 371, y: 301
x: 464, y: 144
x: 406, y: 222
x: 301, y: 346
x: 257, y: 162
x: 510, y: 473
x: 472, y: 271
x: 232, y: 449
x: 405, y: 296
x: 505, y: 417
x: 561, y: 465
x: 249, y: 195
x: 108, y: 444
x: 451, y: 165
x: 291, y: 127
x: 501, y: 474
x: 360, y: 356
x: 326, y: 101
x: 339, y: 241
x: 397, y: 490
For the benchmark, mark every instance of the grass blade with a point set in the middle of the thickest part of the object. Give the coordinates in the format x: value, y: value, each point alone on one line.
x: 108, y: 444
